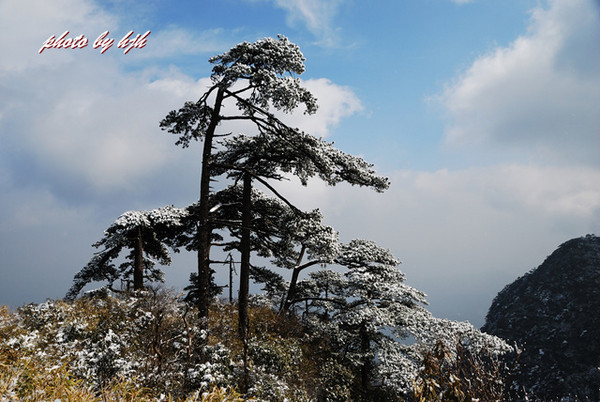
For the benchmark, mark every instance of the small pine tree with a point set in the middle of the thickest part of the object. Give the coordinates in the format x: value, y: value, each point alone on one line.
x: 147, y: 234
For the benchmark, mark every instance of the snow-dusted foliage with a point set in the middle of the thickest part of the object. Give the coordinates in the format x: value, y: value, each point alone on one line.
x: 269, y: 65
x: 144, y: 233
x: 267, y: 68
x: 150, y: 343
x: 292, y: 239
x: 378, y: 323
x: 264, y: 75
x: 280, y: 150
x: 277, y: 228
x: 148, y: 339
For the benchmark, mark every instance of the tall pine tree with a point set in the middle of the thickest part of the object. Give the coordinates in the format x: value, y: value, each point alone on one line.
x: 259, y: 78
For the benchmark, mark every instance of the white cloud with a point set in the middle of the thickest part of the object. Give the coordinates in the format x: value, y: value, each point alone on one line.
x: 172, y: 41
x: 75, y: 122
x: 93, y: 123
x: 546, y: 191
x: 78, y: 118
x: 316, y: 15
x: 26, y: 26
x: 464, y: 234
x: 542, y: 92
x: 335, y: 103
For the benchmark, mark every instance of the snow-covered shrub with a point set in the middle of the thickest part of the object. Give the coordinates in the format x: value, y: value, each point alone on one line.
x: 220, y: 394
x: 24, y: 377
x: 274, y: 354
x: 335, y: 381
x: 143, y: 338
x: 147, y: 344
x: 267, y: 387
x: 88, y: 337
x: 216, y: 371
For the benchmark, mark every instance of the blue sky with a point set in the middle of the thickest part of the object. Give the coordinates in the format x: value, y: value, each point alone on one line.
x: 484, y: 114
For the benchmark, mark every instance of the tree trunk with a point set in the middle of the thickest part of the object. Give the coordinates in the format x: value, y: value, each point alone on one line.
x: 244, y: 320
x: 138, y: 263
x: 204, y: 227
x: 365, y: 370
x: 287, y: 301
x: 230, y: 258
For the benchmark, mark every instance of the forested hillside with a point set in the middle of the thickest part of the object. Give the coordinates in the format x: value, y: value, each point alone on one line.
x: 552, y: 314
x: 145, y: 346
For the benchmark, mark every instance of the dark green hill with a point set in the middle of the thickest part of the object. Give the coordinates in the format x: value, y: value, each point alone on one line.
x: 553, y: 314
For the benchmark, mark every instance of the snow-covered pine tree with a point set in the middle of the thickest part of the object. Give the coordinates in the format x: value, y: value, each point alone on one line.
x: 379, y: 324
x: 256, y: 76
x: 259, y: 77
x: 147, y: 234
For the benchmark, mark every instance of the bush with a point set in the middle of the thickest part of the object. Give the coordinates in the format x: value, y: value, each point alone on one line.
x: 147, y: 346
x: 144, y: 346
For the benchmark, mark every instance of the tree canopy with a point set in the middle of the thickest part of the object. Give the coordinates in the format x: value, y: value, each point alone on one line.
x: 147, y: 234
x: 259, y: 78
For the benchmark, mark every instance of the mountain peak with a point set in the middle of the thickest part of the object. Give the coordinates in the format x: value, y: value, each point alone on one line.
x: 552, y: 313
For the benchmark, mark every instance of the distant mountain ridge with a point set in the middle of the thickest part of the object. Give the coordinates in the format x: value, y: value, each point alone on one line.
x: 553, y: 314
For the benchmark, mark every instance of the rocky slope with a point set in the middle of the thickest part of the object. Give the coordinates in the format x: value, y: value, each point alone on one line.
x: 553, y: 314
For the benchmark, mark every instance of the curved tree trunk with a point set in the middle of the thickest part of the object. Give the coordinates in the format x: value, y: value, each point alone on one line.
x: 287, y: 301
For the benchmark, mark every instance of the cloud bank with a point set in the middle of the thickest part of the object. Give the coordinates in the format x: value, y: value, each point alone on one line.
x: 316, y: 16
x: 541, y: 93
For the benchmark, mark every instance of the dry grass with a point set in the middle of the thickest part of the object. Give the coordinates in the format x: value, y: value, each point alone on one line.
x: 461, y: 375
